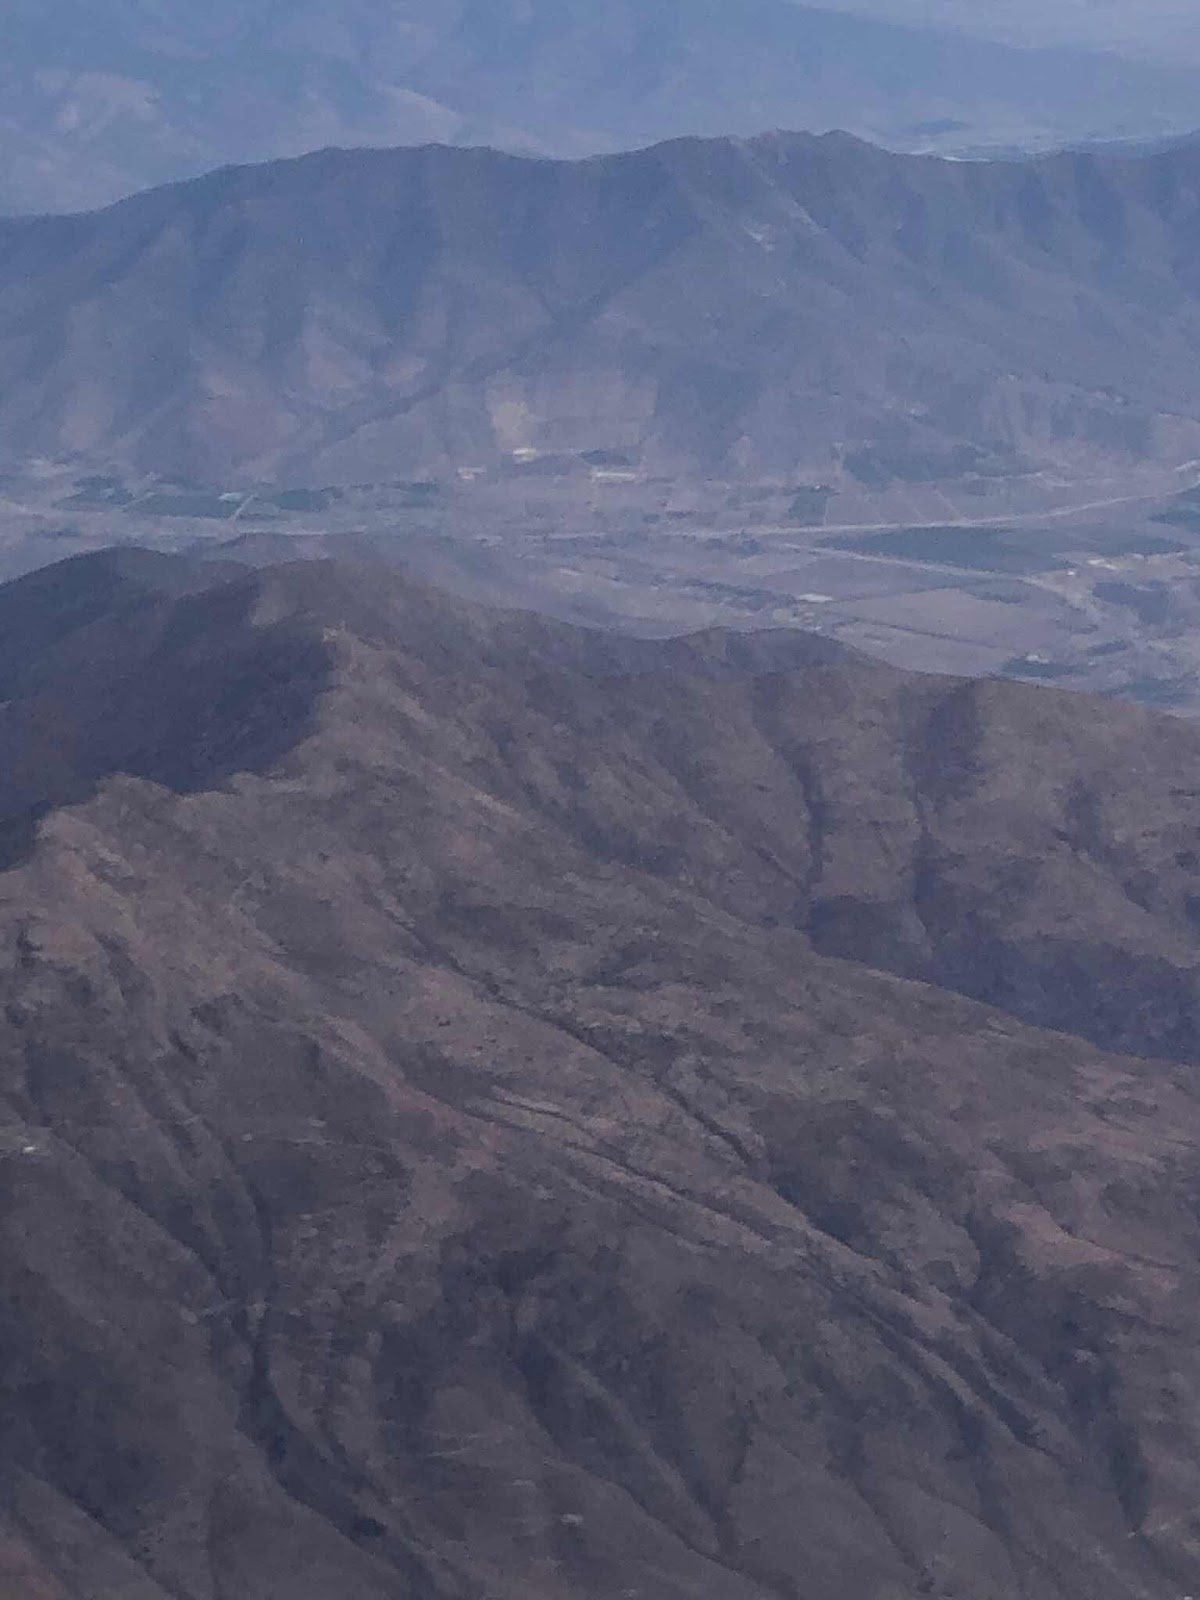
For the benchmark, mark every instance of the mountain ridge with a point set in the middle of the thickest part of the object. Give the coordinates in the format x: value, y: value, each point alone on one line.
x: 101, y: 102
x: 787, y: 304
x: 436, y: 1160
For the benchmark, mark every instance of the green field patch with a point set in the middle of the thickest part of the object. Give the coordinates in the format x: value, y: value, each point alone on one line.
x: 877, y: 466
x: 1180, y: 517
x: 972, y: 549
x: 1116, y: 542
x: 609, y: 458
x: 301, y: 499
x: 189, y: 503
x: 808, y: 505
x: 1164, y: 692
x: 99, y: 489
x: 1151, y: 603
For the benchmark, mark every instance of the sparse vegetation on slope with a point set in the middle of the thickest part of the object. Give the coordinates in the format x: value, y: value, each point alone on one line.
x: 438, y: 1158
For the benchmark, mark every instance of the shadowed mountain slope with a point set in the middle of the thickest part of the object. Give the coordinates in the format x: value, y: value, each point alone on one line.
x: 786, y: 305
x: 437, y: 1161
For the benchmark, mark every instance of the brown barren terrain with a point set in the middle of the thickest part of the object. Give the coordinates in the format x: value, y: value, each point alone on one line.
x: 487, y: 1110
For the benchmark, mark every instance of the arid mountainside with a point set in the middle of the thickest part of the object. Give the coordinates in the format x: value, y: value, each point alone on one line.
x: 441, y: 1156
x: 99, y: 98
x: 789, y: 305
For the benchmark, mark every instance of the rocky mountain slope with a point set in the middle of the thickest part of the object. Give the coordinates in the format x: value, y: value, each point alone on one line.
x: 99, y: 98
x: 445, y: 1152
x: 790, y: 305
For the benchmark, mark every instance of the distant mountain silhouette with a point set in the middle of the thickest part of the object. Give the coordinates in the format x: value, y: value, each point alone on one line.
x: 1150, y: 30
x: 789, y: 305
x: 458, y: 1135
x: 99, y: 98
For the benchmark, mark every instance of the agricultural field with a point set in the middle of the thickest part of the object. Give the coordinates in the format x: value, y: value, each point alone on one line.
x: 1011, y: 579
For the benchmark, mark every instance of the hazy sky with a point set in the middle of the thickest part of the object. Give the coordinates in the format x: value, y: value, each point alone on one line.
x: 1164, y: 29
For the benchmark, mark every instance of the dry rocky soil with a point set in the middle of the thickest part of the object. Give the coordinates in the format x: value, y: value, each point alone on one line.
x: 489, y: 1109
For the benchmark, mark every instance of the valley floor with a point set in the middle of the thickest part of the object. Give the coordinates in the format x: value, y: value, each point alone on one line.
x: 1093, y: 585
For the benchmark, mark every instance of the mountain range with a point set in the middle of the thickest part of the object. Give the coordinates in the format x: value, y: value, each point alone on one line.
x: 1156, y: 30
x: 493, y: 1109
x: 99, y: 98
x: 489, y: 1108
x: 788, y: 305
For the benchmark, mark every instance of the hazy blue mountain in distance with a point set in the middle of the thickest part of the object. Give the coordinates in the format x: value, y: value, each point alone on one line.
x: 99, y: 98
x: 1157, y: 30
x: 780, y: 305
